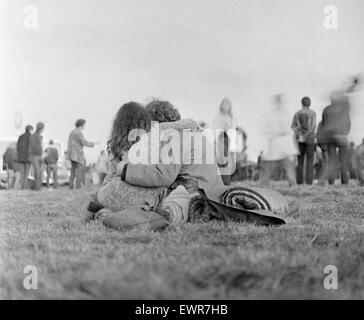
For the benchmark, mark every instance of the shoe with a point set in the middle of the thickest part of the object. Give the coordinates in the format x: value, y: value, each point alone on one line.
x: 94, y: 206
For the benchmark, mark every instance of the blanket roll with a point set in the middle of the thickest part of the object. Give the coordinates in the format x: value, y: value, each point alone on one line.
x: 247, y: 204
x: 255, y: 199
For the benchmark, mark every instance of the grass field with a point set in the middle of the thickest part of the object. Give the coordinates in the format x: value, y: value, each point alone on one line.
x: 201, y: 261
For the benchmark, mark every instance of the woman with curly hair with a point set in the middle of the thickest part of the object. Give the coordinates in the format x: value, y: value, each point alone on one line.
x: 131, y: 121
x: 131, y: 116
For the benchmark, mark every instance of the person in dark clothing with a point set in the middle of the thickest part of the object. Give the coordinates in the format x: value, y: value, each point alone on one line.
x: 304, y: 126
x: 322, y: 144
x: 35, y: 154
x: 336, y: 123
x: 22, y: 147
x: 359, y: 161
x: 351, y: 161
x: 9, y: 164
x: 51, y: 160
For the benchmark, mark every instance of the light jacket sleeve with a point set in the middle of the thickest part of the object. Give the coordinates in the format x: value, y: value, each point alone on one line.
x: 152, y: 175
x: 81, y: 140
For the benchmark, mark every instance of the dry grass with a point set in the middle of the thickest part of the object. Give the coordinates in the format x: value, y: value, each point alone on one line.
x: 207, y: 261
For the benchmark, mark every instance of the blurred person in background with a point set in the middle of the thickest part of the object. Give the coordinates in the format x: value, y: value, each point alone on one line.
x: 359, y: 161
x: 51, y: 160
x: 9, y: 164
x: 280, y: 147
x: 260, y: 165
x: 35, y: 154
x: 102, y: 166
x: 304, y: 127
x: 355, y: 95
x: 67, y: 162
x: 336, y: 125
x: 75, y: 154
x: 223, y: 126
x: 242, y: 165
x: 322, y: 154
x: 351, y: 161
x: 22, y: 147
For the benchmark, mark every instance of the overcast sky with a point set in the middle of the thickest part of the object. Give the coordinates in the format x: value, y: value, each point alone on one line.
x: 87, y: 58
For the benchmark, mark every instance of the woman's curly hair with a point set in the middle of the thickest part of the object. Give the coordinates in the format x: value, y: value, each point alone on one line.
x: 129, y: 117
x: 162, y: 111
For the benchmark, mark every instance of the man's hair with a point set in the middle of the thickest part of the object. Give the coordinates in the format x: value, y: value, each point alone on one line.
x: 130, y: 116
x: 51, y: 142
x: 162, y: 111
x: 306, y: 101
x: 40, y: 126
x: 80, y: 123
x: 28, y: 128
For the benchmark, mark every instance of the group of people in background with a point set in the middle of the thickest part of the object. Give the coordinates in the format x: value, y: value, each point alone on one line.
x: 326, y: 142
x: 27, y: 157
x: 304, y: 151
x: 28, y: 153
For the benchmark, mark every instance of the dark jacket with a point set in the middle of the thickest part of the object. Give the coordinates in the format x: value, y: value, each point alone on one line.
x: 35, y: 145
x: 23, y: 147
x: 52, y: 155
x: 336, y: 122
x: 320, y: 135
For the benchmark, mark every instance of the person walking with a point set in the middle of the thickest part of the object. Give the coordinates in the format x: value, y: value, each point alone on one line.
x: 336, y: 123
x: 351, y: 161
x: 51, y: 160
x: 76, y: 142
x: 9, y: 164
x: 279, y: 148
x: 304, y: 126
x: 35, y: 154
x: 224, y: 125
x: 22, y: 147
x: 321, y: 142
x: 359, y: 159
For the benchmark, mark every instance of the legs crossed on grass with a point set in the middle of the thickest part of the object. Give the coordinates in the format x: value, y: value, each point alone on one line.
x: 117, y: 195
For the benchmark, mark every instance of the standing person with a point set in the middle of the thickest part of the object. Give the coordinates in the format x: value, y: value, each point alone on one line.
x: 304, y: 126
x: 351, y: 161
x: 322, y: 144
x: 336, y: 123
x: 224, y: 125
x: 356, y: 98
x: 35, y: 154
x: 22, y: 147
x: 280, y: 145
x: 359, y: 161
x: 102, y: 166
x: 51, y: 160
x: 260, y: 165
x: 76, y: 142
x: 9, y: 164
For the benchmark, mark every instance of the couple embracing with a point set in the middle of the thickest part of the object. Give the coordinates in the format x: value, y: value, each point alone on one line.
x: 163, y: 170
